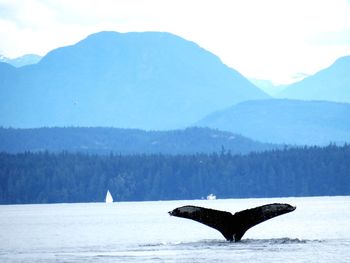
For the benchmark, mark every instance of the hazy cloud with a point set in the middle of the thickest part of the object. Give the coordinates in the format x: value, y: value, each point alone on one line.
x: 264, y: 39
x: 341, y: 37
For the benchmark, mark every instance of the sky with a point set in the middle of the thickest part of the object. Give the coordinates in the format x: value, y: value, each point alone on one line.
x: 277, y: 40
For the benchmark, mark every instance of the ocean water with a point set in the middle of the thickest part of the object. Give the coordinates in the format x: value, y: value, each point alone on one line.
x: 317, y: 231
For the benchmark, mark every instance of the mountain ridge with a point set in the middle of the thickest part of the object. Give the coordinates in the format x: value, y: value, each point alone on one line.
x: 146, y: 80
x: 101, y: 140
x: 27, y: 59
x: 285, y: 121
x: 331, y: 84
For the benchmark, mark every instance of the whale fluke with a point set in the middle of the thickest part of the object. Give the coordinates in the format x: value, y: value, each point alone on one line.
x: 232, y: 227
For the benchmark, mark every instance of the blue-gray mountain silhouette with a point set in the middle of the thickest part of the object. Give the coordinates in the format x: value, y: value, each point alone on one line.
x: 332, y: 84
x: 285, y: 121
x: 21, y: 61
x: 145, y: 80
x: 127, y: 141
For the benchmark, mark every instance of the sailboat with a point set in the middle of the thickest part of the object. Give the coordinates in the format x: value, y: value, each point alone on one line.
x: 211, y: 197
x: 109, y: 198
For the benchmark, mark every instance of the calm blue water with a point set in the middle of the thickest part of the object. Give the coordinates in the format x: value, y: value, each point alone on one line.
x: 317, y: 231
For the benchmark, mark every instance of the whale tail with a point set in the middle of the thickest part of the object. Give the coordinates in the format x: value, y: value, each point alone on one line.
x: 232, y: 227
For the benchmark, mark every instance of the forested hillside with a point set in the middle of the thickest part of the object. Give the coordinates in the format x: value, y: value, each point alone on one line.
x: 66, y: 177
x: 126, y: 141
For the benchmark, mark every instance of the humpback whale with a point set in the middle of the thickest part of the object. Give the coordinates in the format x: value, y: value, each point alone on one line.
x: 232, y: 227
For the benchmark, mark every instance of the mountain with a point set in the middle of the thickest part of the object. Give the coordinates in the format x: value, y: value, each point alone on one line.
x: 147, y: 80
x: 126, y: 141
x: 285, y: 121
x: 268, y: 86
x: 21, y: 61
x: 8, y: 78
x: 7, y: 71
x: 332, y: 84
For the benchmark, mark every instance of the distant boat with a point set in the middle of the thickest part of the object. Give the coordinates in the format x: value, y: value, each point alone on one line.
x: 211, y: 197
x: 109, y: 198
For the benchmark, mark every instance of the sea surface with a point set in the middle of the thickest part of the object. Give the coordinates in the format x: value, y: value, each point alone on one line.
x: 317, y: 231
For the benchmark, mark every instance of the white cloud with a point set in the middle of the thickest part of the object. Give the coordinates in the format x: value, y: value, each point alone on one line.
x: 268, y: 39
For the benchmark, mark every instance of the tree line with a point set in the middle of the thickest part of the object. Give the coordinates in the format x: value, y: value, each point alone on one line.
x: 44, y: 177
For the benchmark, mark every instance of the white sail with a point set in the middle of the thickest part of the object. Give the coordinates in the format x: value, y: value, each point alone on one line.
x: 211, y: 197
x: 109, y: 198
